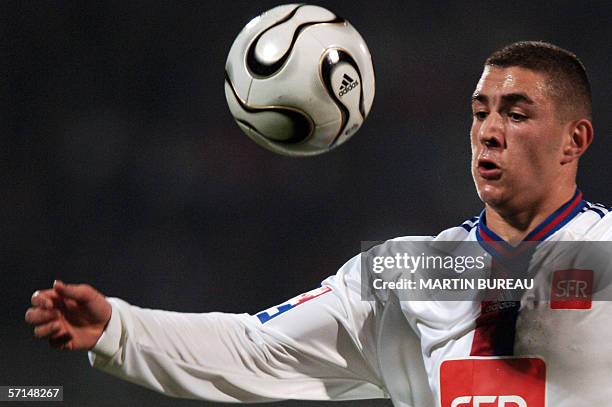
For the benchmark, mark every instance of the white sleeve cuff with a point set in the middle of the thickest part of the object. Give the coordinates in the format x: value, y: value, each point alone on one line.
x: 109, y: 342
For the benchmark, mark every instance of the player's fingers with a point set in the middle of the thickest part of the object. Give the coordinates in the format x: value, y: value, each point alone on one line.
x: 77, y: 292
x: 37, y: 315
x: 70, y: 304
x: 44, y: 298
x: 61, y: 341
x: 48, y: 329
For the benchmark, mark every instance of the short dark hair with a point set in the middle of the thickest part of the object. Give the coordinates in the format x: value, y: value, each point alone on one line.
x: 567, y: 76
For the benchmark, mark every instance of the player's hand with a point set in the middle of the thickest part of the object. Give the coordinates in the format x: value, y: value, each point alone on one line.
x: 69, y: 316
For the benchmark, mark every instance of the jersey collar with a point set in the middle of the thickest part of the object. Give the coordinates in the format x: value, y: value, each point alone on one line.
x: 494, y: 244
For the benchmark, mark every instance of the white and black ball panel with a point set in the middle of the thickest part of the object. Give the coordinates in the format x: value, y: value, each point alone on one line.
x: 347, y: 38
x: 241, y: 80
x: 233, y: 102
x: 235, y: 66
x: 275, y: 86
x: 277, y: 126
x: 346, y: 83
x: 293, y: 150
x: 307, y: 13
x: 326, y: 134
x: 277, y: 40
x: 266, y: 19
x: 236, y: 71
x: 270, y: 49
x: 307, y: 93
x: 274, y: 43
x: 278, y: 123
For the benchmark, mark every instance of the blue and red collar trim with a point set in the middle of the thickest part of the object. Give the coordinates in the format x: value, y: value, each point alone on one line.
x: 559, y: 218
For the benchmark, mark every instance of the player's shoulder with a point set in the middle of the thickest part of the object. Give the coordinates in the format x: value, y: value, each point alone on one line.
x: 460, y: 232
x: 594, y: 222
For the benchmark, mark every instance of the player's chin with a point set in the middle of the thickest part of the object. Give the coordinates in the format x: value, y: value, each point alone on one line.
x: 490, y: 193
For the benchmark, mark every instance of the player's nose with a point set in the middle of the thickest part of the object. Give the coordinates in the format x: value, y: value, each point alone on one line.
x: 491, y: 132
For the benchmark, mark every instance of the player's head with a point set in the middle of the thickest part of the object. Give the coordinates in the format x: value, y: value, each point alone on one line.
x: 567, y: 81
x: 531, y: 123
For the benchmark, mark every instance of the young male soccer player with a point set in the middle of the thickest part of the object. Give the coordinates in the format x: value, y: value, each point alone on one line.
x: 531, y: 124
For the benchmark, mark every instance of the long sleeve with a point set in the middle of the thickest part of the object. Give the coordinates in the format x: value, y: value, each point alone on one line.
x: 320, y: 345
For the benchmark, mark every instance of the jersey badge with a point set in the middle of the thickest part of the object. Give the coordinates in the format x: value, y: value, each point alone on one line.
x: 270, y: 313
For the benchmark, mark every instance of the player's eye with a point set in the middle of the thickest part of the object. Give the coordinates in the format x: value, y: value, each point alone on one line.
x: 480, y: 115
x: 517, y: 117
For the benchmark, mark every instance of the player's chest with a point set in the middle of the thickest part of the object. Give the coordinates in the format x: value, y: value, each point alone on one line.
x: 559, y: 357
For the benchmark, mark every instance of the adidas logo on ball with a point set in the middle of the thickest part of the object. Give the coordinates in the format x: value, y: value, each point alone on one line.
x: 348, y: 84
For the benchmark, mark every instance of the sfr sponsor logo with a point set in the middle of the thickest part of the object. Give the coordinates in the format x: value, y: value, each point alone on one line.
x: 571, y: 289
x: 478, y: 401
x: 493, y: 382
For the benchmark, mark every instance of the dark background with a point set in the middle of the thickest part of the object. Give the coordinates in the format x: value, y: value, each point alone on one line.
x: 122, y: 167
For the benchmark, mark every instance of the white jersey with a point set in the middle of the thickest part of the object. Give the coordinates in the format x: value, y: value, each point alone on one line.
x: 329, y: 344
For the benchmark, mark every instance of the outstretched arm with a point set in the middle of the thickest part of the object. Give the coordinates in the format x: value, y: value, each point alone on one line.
x: 323, y: 348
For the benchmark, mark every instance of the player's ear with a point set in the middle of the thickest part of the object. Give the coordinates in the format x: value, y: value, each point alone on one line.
x: 580, y: 137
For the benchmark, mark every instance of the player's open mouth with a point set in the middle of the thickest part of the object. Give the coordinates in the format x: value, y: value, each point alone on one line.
x: 489, y: 170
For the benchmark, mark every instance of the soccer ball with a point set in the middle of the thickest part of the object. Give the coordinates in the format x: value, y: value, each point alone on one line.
x: 299, y: 80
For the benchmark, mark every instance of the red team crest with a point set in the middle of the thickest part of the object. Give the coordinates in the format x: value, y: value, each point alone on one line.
x: 571, y: 289
x: 493, y: 382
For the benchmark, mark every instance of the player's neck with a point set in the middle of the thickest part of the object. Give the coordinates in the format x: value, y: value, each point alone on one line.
x: 513, y: 225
